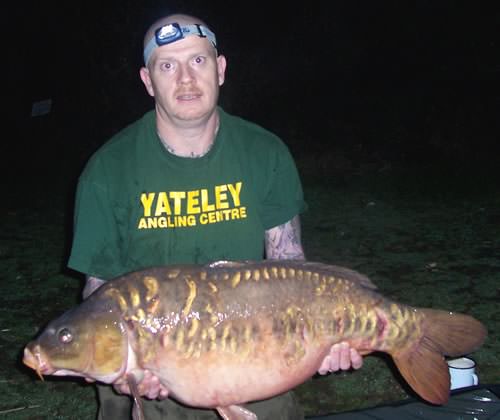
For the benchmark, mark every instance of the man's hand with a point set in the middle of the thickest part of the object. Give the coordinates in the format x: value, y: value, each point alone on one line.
x: 341, y: 357
x: 149, y: 387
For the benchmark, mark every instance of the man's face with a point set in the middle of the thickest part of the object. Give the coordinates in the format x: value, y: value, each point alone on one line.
x: 184, y: 78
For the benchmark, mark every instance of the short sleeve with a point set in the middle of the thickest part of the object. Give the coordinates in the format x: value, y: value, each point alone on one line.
x: 95, y: 235
x: 285, y: 198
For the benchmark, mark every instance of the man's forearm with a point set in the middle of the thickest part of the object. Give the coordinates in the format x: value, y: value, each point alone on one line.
x: 283, y: 242
x: 91, y: 284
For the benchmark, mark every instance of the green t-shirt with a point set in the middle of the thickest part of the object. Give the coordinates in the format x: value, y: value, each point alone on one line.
x: 139, y: 206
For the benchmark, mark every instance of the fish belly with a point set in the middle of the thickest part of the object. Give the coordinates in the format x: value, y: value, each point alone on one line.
x: 221, y: 378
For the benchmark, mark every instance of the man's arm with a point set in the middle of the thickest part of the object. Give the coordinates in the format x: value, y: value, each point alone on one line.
x: 283, y: 242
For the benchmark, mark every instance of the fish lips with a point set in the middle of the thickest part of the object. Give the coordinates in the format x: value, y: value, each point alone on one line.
x: 36, y: 359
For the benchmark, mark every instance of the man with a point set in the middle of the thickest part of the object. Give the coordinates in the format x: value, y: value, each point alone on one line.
x: 187, y: 183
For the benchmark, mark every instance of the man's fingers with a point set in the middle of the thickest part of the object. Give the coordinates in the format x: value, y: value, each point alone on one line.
x: 122, y: 389
x: 344, y: 356
x: 325, y: 366
x: 335, y: 358
x: 163, y: 393
x: 149, y: 386
x: 341, y: 357
x: 356, y: 359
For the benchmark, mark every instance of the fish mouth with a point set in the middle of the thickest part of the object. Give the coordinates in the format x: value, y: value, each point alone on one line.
x: 36, y: 359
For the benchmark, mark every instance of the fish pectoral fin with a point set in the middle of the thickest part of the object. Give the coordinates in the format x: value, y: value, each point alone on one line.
x: 235, y: 412
x: 137, y: 413
x: 137, y: 409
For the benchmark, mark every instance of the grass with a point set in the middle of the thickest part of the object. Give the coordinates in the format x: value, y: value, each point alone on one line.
x: 425, y: 238
x: 428, y: 240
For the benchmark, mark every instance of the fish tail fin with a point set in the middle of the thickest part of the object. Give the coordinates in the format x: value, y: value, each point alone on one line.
x: 443, y: 333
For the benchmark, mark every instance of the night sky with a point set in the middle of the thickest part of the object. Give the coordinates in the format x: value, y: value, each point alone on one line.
x: 407, y: 80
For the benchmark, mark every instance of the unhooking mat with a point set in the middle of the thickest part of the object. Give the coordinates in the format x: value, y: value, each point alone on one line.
x: 480, y: 402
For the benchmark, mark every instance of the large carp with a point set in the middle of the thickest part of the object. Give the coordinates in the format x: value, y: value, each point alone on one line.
x: 232, y: 332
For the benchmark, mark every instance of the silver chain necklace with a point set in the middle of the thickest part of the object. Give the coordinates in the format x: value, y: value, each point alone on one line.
x: 192, y: 154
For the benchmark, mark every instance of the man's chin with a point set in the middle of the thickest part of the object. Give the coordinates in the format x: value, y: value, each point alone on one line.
x: 193, y: 114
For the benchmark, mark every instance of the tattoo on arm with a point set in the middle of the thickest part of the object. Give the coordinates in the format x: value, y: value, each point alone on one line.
x: 283, y: 241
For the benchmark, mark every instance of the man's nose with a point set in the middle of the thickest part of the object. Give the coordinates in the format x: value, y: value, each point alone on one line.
x: 186, y: 74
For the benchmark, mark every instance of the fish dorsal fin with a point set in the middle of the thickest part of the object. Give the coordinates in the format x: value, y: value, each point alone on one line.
x: 354, y: 276
x: 227, y: 264
x: 235, y: 412
x: 343, y: 273
x: 335, y: 270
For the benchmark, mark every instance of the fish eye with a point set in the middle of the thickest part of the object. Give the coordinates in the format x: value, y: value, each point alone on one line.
x: 65, y: 336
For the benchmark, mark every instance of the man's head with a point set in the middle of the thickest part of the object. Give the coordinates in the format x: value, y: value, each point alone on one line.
x: 166, y: 31
x: 182, y: 69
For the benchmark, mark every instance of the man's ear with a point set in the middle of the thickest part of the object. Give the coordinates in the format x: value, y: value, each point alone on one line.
x: 221, y: 69
x: 146, y: 79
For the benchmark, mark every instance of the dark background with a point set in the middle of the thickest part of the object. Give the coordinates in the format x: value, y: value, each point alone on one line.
x: 394, y: 103
x: 390, y: 82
